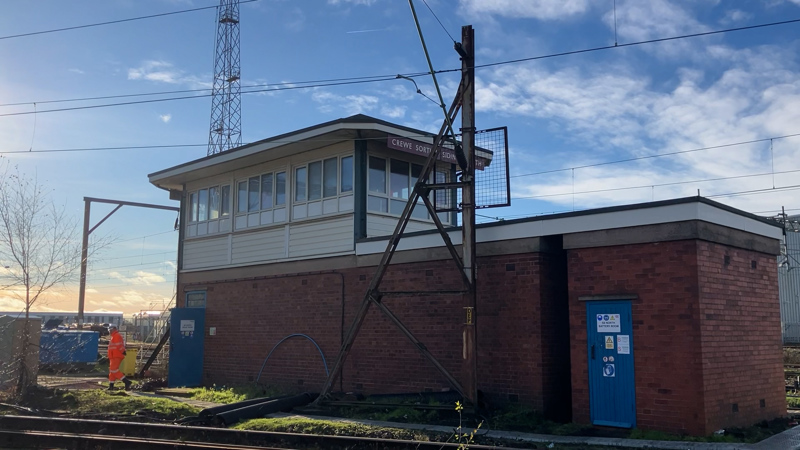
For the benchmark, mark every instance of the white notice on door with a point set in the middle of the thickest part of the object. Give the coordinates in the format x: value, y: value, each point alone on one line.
x: 623, y: 344
x: 608, y: 323
x: 187, y: 325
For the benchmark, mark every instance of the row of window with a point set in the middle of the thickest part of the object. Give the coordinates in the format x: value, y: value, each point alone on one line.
x: 389, y: 184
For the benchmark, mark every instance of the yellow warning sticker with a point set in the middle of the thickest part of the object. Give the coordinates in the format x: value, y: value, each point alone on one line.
x: 609, y: 343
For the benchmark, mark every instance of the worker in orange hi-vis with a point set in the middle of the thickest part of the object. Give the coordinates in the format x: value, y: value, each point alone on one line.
x: 116, y: 353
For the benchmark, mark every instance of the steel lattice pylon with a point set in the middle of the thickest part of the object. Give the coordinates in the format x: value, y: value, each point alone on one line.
x: 226, y: 104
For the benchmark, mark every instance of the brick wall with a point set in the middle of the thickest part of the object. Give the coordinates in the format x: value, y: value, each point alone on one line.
x: 666, y: 328
x: 705, y: 335
x: 523, y: 353
x: 740, y: 336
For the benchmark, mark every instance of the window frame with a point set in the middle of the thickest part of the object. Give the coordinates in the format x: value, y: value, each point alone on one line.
x: 387, y: 197
x: 249, y: 181
x: 193, y: 208
x: 306, y: 168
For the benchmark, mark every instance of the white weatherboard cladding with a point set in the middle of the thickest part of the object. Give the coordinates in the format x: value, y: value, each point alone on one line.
x: 378, y: 225
x: 205, y: 253
x: 321, y: 237
x: 588, y: 222
x: 262, y: 245
x: 789, y: 289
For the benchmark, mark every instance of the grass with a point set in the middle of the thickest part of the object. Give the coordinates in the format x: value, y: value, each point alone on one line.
x: 99, y: 402
x: 337, y: 428
x: 232, y: 394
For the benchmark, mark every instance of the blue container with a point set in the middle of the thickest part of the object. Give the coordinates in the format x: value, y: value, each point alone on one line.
x: 68, y: 347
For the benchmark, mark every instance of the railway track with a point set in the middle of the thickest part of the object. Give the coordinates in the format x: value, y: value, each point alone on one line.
x: 36, y: 432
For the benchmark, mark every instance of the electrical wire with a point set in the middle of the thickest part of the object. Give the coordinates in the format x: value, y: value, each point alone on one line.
x: 112, y: 22
x: 370, y: 79
x: 639, y: 158
x: 631, y: 44
x: 437, y: 19
x: 186, y: 91
x: 135, y: 147
x: 674, y: 183
x: 188, y: 97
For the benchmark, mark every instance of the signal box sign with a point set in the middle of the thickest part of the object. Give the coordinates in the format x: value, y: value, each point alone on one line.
x: 414, y: 147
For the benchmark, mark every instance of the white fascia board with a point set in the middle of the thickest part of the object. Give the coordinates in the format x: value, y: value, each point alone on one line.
x: 583, y: 223
x: 718, y: 216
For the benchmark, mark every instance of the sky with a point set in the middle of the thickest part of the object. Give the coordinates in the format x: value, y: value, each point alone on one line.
x: 717, y: 114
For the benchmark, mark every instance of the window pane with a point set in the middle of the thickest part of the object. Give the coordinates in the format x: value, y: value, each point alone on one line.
x: 416, y: 171
x: 300, y: 184
x: 397, y: 206
x: 442, y: 196
x: 193, y: 207
x: 213, y: 203
x: 331, y: 188
x: 377, y: 175
x: 253, y: 194
x: 420, y: 211
x: 241, y: 201
x: 280, y: 188
x: 266, y: 191
x: 399, y: 180
x: 315, y: 180
x: 225, y: 201
x: 378, y: 204
x: 202, y: 205
x: 347, y: 174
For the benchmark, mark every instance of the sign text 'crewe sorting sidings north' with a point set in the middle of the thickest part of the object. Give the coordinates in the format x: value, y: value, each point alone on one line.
x: 422, y: 149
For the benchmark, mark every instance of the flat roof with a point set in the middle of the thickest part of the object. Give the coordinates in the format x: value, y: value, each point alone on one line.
x: 614, y: 217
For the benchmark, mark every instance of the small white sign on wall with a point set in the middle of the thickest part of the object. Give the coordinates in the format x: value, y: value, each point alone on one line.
x: 623, y: 344
x: 187, y: 325
x: 608, y: 323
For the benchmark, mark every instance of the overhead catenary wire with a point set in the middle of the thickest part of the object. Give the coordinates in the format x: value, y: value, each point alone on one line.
x: 380, y: 78
x: 639, y: 158
x: 647, y: 186
x: 112, y: 22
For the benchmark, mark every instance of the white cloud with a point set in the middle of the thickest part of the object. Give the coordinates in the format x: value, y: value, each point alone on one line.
x: 141, y: 277
x: 394, y: 112
x: 351, y: 2
x: 638, y: 20
x: 736, y: 16
x: 165, y: 72
x: 748, y: 96
x: 165, y: 117
x: 532, y: 9
x: 347, y: 105
x: 78, y: 71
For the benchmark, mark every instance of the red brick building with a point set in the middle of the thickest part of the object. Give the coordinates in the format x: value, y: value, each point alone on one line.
x: 662, y: 315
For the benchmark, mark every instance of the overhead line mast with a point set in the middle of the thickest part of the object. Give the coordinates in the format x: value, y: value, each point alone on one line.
x: 226, y: 104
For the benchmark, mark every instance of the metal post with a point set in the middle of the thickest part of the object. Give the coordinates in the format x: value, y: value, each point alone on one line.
x: 468, y: 213
x: 87, y: 231
x: 84, y: 257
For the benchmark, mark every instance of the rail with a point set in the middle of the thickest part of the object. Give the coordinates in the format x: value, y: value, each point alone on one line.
x: 38, y: 431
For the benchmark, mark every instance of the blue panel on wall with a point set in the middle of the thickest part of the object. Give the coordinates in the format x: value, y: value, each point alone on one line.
x: 612, y: 390
x: 186, y: 335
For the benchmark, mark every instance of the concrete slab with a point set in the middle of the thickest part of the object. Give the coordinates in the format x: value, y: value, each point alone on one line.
x: 788, y: 440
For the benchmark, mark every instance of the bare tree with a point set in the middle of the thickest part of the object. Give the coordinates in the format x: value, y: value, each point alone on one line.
x: 40, y: 248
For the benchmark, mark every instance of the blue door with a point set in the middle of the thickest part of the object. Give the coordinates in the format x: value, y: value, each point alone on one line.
x: 612, y: 393
x: 186, y: 332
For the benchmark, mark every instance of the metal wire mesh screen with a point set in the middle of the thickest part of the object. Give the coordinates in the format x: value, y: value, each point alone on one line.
x: 492, y: 187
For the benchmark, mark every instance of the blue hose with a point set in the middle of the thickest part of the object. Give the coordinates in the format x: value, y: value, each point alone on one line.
x: 324, y: 362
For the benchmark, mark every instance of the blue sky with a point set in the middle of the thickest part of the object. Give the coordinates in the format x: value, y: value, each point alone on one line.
x: 563, y: 113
